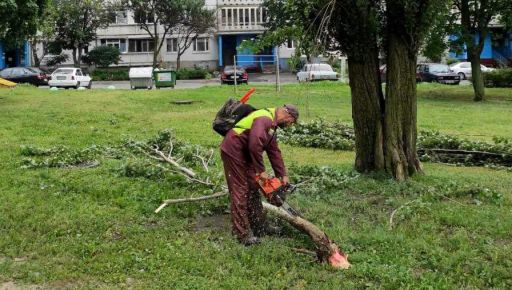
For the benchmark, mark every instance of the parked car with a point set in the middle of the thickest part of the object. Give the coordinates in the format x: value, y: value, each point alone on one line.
x: 31, y: 75
x: 317, y: 72
x: 227, y: 75
x: 437, y: 72
x: 463, y: 69
x: 69, y: 78
x: 383, y: 74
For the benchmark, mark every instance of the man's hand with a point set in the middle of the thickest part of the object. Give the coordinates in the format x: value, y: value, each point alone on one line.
x: 285, y: 180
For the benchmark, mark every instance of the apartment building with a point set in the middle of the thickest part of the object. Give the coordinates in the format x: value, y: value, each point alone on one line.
x: 237, y: 20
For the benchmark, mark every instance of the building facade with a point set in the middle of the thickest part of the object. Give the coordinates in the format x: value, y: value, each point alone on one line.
x: 237, y: 21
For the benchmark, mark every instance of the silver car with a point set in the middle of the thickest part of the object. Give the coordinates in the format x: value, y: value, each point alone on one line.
x: 463, y: 69
x: 317, y: 72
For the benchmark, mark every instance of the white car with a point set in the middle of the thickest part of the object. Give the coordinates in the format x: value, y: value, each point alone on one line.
x: 463, y: 69
x: 69, y: 78
x: 317, y: 72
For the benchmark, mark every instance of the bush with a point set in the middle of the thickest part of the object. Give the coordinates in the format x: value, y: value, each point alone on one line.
x: 192, y: 74
x: 451, y: 61
x: 500, y: 78
x: 117, y: 74
x: 102, y: 56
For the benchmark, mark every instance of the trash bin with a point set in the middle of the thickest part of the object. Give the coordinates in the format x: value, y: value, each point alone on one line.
x: 164, y: 78
x: 141, y: 77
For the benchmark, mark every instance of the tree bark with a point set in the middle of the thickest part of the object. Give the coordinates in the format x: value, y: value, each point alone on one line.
x: 75, y: 62
x: 401, y: 109
x: 476, y: 75
x: 178, y: 61
x: 367, y: 113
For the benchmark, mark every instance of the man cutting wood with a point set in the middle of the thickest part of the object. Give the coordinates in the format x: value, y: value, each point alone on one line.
x: 242, y: 155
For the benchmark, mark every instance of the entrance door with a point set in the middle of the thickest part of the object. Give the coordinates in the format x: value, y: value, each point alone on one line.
x: 228, y: 49
x: 11, y: 58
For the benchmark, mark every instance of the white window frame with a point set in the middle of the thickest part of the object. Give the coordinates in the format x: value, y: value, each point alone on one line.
x: 114, y: 42
x: 206, y: 42
x: 292, y: 42
x: 143, y: 42
x: 172, y: 43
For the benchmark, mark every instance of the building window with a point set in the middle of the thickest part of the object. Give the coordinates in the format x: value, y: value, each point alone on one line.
x: 141, y: 45
x: 172, y: 45
x: 119, y: 43
x: 290, y: 43
x: 119, y: 17
x: 142, y: 17
x: 202, y: 44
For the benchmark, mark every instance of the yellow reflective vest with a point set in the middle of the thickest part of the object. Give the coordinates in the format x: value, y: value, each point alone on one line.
x: 246, y: 122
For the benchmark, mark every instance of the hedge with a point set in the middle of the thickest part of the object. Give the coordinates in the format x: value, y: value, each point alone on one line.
x: 117, y: 74
x: 500, y: 78
x: 121, y: 74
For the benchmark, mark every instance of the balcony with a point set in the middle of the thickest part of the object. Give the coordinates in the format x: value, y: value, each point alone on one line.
x: 239, y: 2
x: 241, y: 19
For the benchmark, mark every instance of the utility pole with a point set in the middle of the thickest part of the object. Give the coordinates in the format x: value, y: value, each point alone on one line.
x: 235, y: 76
x: 278, y: 77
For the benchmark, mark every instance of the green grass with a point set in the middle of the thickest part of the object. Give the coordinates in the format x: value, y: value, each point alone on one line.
x: 91, y: 228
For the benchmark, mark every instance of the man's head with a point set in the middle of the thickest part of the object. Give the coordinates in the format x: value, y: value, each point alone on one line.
x: 287, y: 115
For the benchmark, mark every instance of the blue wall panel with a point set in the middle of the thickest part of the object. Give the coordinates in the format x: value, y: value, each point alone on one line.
x: 221, y: 62
x: 2, y: 57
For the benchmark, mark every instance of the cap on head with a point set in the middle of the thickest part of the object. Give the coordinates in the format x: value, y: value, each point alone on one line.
x: 292, y: 110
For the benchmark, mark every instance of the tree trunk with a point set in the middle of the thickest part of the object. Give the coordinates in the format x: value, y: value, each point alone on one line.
x: 476, y: 75
x: 178, y: 61
x: 366, y: 113
x: 35, y: 57
x: 75, y: 61
x: 400, y: 130
x: 79, y: 60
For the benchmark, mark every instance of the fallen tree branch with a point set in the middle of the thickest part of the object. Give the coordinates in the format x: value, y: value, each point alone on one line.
x: 326, y: 249
x: 173, y: 162
x: 190, y: 199
x: 396, y: 210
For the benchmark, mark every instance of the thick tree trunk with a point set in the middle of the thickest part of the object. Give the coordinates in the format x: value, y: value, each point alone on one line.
x: 477, y: 76
x: 367, y: 113
x: 35, y: 57
x: 401, y: 110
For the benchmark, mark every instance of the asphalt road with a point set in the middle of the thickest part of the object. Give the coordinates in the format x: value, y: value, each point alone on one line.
x: 255, y: 78
x: 286, y: 78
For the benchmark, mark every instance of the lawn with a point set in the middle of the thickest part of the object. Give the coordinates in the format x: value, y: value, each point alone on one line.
x: 92, y: 228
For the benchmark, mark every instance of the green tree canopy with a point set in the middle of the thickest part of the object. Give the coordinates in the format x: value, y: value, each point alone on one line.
x: 19, y: 20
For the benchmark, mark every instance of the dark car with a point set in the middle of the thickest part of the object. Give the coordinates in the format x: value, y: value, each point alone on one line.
x: 227, y: 75
x: 437, y: 72
x: 29, y: 75
x: 383, y: 74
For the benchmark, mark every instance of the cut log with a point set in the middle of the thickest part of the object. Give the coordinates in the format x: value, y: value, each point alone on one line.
x: 326, y: 249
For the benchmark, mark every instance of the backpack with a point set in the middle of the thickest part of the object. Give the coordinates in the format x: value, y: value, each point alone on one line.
x: 229, y: 114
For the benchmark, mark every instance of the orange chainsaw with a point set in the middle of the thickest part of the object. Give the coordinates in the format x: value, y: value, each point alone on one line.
x: 275, y: 192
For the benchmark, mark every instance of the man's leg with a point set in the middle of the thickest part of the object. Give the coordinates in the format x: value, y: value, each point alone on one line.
x: 256, y: 213
x: 235, y: 172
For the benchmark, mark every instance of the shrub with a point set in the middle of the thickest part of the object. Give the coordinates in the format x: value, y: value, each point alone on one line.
x: 102, y: 56
x: 192, y: 74
x: 500, y: 78
x: 117, y: 74
x: 451, y: 61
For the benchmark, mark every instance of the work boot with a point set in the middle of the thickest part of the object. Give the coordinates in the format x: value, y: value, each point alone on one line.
x: 251, y: 240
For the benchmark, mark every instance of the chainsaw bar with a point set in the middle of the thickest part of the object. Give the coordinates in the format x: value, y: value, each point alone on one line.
x: 290, y: 209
